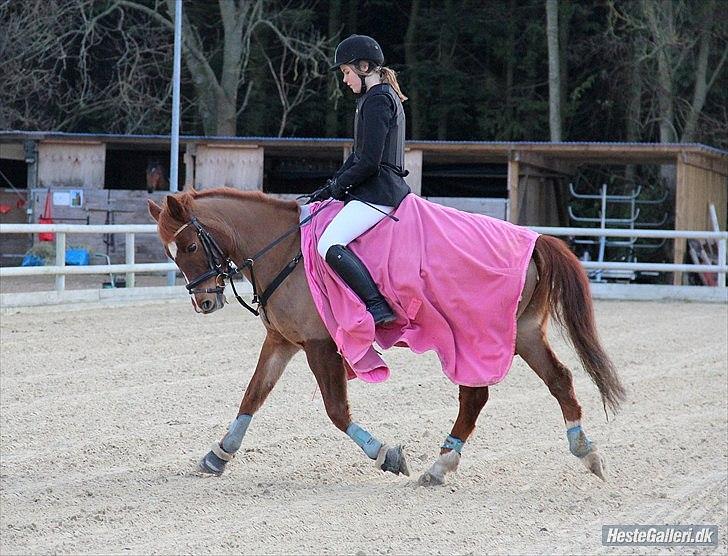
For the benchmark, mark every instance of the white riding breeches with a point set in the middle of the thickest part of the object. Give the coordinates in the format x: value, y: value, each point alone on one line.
x: 351, y: 222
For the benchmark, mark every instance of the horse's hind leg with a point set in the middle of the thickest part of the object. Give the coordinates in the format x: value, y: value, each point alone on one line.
x: 328, y: 368
x: 472, y: 401
x: 532, y: 345
x: 275, y: 354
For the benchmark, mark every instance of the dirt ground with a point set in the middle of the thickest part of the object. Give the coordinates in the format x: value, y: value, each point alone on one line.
x: 104, y: 412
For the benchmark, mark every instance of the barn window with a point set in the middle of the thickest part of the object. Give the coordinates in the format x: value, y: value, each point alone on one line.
x: 139, y: 169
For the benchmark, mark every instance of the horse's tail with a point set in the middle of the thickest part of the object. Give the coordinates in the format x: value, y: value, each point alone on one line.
x: 563, y: 288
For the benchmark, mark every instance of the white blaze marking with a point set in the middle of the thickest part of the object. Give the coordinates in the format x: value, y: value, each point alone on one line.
x: 172, y: 248
x: 192, y: 296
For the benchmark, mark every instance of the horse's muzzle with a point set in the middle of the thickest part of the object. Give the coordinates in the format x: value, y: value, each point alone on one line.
x: 210, y: 305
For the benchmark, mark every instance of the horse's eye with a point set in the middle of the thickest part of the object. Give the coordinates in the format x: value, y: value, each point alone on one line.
x: 192, y: 248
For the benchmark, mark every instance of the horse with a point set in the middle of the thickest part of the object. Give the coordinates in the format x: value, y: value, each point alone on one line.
x: 156, y: 178
x: 209, y: 233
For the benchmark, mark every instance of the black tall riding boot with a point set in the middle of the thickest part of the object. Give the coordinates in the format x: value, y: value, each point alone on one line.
x: 352, y: 271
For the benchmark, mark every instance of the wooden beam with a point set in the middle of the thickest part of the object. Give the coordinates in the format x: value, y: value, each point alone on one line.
x: 189, y: 159
x: 72, y: 141
x: 682, y: 201
x: 544, y: 162
x: 576, y: 150
x: 31, y: 152
x: 12, y: 151
x: 232, y: 145
x: 717, y: 165
x: 413, y: 164
x: 513, y: 177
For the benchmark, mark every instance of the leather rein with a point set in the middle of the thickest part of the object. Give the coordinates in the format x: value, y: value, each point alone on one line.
x: 221, y: 266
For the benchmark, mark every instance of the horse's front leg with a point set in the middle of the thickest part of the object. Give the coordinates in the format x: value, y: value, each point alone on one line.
x: 274, y: 356
x: 328, y: 368
x: 472, y: 401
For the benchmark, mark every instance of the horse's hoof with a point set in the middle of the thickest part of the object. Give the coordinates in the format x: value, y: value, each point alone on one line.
x: 595, y: 463
x: 212, y: 465
x: 394, y: 461
x: 444, y: 464
x: 429, y: 479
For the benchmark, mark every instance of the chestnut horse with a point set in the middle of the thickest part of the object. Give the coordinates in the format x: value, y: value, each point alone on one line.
x: 214, y: 234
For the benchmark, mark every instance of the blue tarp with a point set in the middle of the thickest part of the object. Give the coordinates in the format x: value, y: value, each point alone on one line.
x: 74, y: 257
x: 77, y: 257
x: 32, y: 260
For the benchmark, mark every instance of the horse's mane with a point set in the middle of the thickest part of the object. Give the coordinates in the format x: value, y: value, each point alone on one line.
x: 168, y: 226
x: 257, y: 196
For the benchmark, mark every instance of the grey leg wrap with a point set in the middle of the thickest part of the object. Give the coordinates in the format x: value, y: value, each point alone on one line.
x: 579, y: 444
x: 215, y: 460
x: 236, y: 432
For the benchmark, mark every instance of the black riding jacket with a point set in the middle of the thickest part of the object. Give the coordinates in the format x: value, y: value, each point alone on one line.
x: 375, y: 168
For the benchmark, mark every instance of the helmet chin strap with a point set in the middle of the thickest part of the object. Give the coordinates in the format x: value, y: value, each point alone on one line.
x: 364, y: 85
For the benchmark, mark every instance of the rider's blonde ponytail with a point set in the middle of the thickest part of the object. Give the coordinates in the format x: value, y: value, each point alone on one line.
x: 390, y: 76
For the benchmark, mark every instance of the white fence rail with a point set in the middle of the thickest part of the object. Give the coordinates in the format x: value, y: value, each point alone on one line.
x: 60, y: 270
x: 720, y: 237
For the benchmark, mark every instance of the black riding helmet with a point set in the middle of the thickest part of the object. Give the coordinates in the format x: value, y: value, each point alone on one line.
x: 358, y: 47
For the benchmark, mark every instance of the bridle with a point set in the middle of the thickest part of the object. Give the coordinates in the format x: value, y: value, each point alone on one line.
x: 221, y: 266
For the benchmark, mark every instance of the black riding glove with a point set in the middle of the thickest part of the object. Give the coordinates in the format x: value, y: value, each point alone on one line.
x: 331, y: 190
x: 338, y: 191
x: 321, y: 194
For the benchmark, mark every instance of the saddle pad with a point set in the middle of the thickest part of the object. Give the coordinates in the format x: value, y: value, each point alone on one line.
x: 452, y: 278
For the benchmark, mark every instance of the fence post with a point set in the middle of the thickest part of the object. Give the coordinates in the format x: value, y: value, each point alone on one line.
x: 60, y: 261
x: 129, y: 257
x: 720, y: 282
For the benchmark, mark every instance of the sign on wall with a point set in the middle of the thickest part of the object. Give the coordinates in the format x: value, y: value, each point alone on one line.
x: 71, y: 198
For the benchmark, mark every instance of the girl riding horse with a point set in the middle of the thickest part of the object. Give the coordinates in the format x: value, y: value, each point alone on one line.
x: 370, y: 182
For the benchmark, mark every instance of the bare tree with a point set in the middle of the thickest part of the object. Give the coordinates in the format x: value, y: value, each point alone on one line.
x: 67, y: 62
x: 552, y: 34
x: 219, y: 86
x: 447, y: 43
x: 673, y: 45
x: 410, y: 54
x: 703, y: 82
x: 334, y: 93
x: 661, y: 24
x: 292, y: 76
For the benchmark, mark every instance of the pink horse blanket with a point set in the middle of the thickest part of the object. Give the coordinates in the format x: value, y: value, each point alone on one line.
x: 453, y: 279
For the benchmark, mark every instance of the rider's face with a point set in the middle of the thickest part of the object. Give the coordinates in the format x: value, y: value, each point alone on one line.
x: 351, y: 79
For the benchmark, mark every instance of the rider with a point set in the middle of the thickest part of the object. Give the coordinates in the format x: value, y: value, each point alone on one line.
x: 370, y: 182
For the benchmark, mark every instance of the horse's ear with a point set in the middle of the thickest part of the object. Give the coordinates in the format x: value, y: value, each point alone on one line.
x: 177, y: 210
x: 154, y: 209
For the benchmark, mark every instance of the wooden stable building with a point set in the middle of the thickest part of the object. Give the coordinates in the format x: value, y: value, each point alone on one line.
x: 103, y: 178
